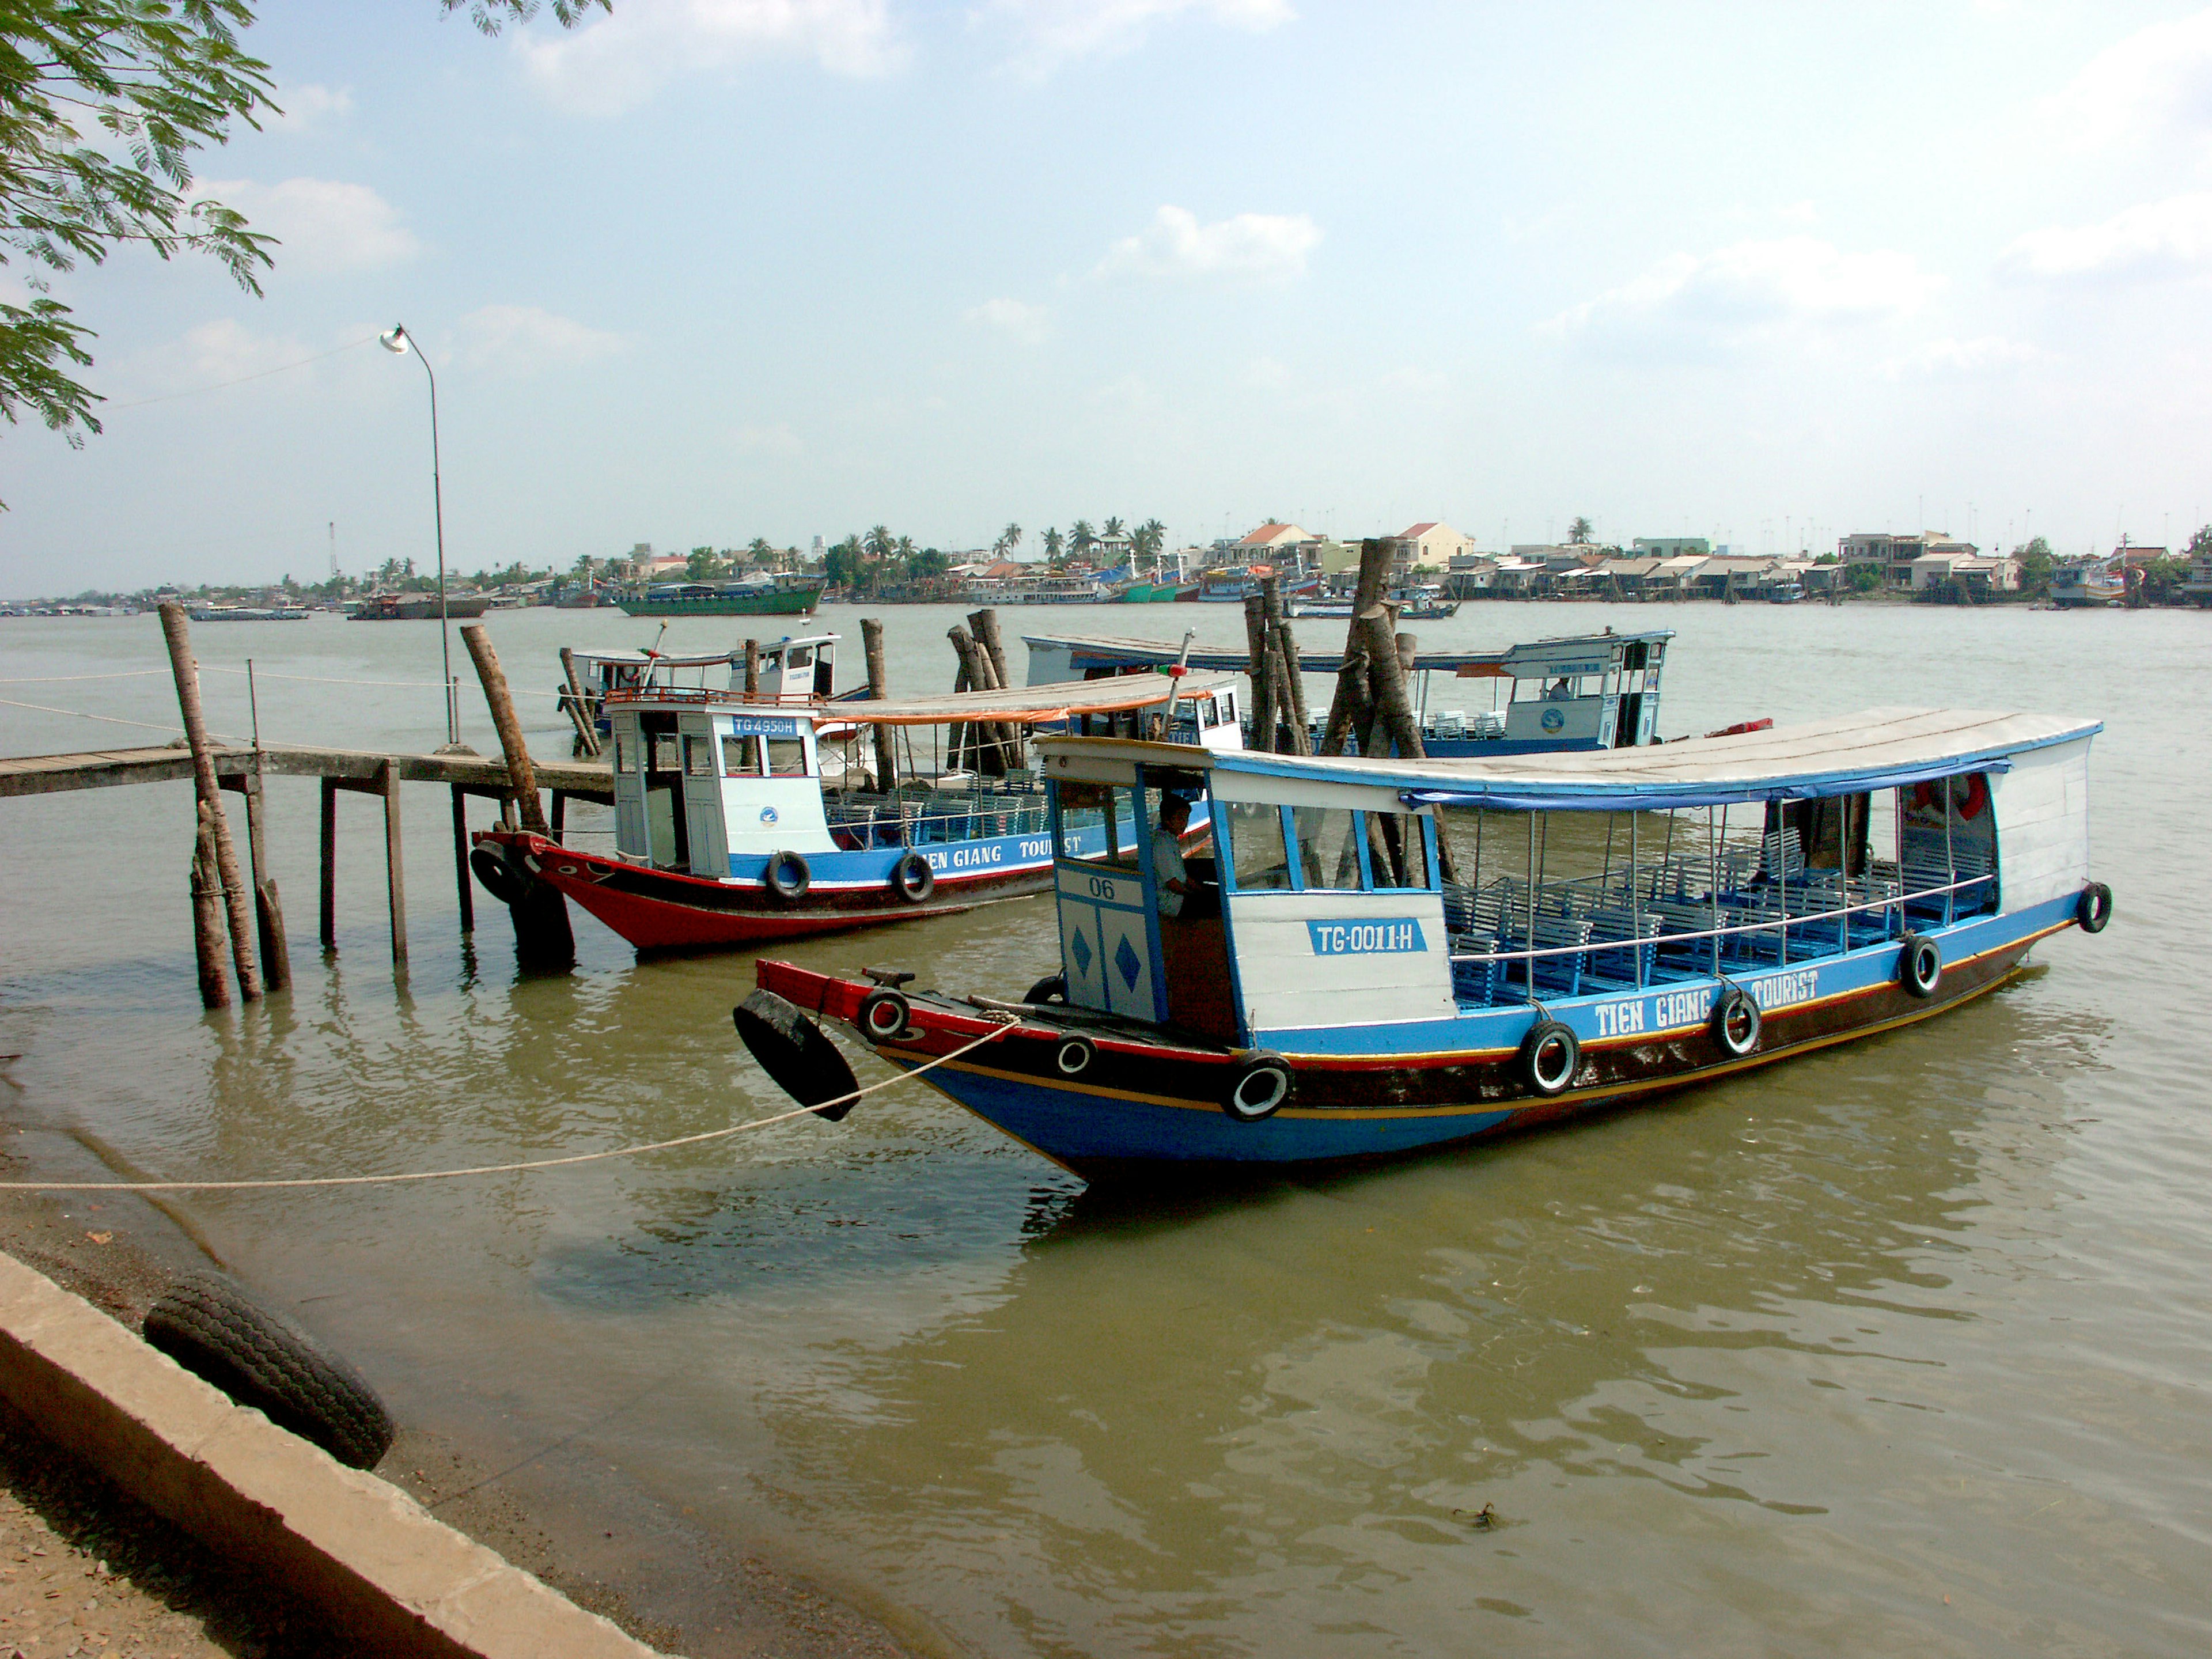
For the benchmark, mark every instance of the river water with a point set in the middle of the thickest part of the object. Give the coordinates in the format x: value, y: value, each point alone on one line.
x: 1902, y: 1348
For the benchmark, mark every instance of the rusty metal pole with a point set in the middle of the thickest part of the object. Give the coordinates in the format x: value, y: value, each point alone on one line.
x: 176, y: 627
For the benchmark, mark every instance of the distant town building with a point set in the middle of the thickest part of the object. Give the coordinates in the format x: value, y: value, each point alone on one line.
x: 1429, y: 543
x: 1673, y: 547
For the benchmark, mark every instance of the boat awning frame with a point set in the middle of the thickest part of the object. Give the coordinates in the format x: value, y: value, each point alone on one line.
x: 1019, y: 705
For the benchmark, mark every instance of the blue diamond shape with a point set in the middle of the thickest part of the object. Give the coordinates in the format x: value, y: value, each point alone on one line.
x: 1127, y: 961
x: 1081, y: 950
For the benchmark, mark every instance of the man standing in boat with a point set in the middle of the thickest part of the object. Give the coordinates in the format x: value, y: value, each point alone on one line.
x: 1167, y: 868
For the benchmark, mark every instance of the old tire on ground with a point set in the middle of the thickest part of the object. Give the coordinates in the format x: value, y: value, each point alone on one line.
x: 1263, y: 1084
x: 1052, y: 989
x: 1919, y: 964
x: 884, y: 1015
x: 912, y: 878
x: 208, y: 1324
x: 788, y: 875
x: 796, y: 1053
x: 1736, y: 1022
x: 499, y: 880
x: 1551, y: 1055
x: 2094, y: 908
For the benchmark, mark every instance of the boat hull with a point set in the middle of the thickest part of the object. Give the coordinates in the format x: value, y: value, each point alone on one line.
x: 782, y: 601
x: 423, y: 610
x: 1147, y: 1100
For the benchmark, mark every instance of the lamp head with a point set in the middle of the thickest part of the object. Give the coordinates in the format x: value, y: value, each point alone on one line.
x: 395, y: 339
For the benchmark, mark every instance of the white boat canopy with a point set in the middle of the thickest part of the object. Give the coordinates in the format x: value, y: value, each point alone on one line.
x: 1535, y: 658
x: 1844, y: 754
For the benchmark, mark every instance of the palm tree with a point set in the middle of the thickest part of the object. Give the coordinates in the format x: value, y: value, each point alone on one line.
x: 1080, y: 539
x: 1052, y: 546
x: 1152, y: 536
x: 1009, y: 539
x: 878, y: 543
x: 1111, y: 528
x: 1579, y: 532
x: 760, y: 552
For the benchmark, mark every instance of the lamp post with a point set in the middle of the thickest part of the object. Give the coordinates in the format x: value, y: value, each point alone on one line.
x: 396, y: 338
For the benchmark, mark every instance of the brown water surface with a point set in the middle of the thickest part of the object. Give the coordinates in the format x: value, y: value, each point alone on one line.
x: 1902, y: 1348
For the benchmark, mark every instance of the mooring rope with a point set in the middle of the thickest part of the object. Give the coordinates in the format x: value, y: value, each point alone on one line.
x: 45, y: 708
x: 1006, y: 1022
x: 324, y: 679
x: 56, y: 679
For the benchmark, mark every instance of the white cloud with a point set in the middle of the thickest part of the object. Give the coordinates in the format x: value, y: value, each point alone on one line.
x: 1986, y: 354
x: 520, y: 339
x: 618, y: 61
x: 2155, y: 82
x: 312, y: 107
x: 2150, y: 239
x: 1052, y: 32
x: 324, y: 225
x: 1268, y: 374
x: 1748, y: 292
x: 1250, y: 247
x: 1015, y: 319
x: 778, y: 441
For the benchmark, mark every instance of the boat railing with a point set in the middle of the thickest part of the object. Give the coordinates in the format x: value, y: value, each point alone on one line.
x: 1568, y: 955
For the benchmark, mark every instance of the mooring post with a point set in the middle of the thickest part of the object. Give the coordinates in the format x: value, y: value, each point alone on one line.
x: 461, y: 852
x: 177, y: 629
x: 542, y: 934
x: 207, y: 912
x: 587, y: 734
x: 879, y: 687
x: 752, y: 668
x: 330, y: 864
x: 387, y: 778
x: 1348, y: 705
x: 1260, y: 672
x: 268, y: 910
x: 985, y: 625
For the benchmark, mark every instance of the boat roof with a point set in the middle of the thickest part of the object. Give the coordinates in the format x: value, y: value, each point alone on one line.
x: 1524, y: 661
x: 1842, y: 754
x: 1019, y: 705
x: 710, y: 660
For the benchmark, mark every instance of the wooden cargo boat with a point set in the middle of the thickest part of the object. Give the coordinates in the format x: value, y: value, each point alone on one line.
x: 1403, y: 954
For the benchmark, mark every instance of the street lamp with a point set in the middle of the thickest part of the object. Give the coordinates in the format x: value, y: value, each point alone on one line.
x: 396, y: 338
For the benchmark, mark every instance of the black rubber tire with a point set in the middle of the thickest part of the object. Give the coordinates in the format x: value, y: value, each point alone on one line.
x: 494, y: 872
x: 884, y: 1015
x: 1050, y: 989
x: 1272, y: 1073
x: 208, y: 1324
x: 2093, y: 910
x: 1074, y: 1056
x: 912, y: 878
x: 1735, y: 1006
x: 1546, y: 1036
x: 788, y: 875
x: 795, y: 1052
x: 1919, y: 964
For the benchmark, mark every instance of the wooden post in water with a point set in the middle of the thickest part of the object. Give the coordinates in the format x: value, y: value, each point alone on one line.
x: 1391, y: 657
x: 395, y: 874
x: 461, y: 846
x: 752, y: 668
x: 879, y: 687
x: 985, y: 625
x: 177, y: 629
x: 268, y: 908
x: 330, y: 864
x: 1352, y: 682
x: 984, y: 737
x: 207, y: 912
x: 587, y: 734
x: 541, y: 934
x: 1260, y: 672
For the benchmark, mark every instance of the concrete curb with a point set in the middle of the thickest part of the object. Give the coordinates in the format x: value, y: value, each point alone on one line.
x: 381, y: 1568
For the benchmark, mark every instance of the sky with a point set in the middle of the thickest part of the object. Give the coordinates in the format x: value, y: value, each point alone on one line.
x: 706, y: 270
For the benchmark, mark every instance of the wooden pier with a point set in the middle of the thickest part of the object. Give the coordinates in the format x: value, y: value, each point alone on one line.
x: 513, y: 780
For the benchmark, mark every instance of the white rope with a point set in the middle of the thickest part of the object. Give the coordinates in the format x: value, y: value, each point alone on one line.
x: 321, y: 679
x: 56, y: 679
x: 111, y: 720
x: 1006, y: 1022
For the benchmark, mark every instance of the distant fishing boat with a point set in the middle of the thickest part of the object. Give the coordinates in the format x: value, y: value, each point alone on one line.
x: 418, y: 607
x: 2088, y: 584
x: 762, y: 595
x: 1427, y: 603
x: 250, y: 613
x: 1785, y: 593
x: 1237, y: 583
x: 1383, y: 956
x: 740, y: 819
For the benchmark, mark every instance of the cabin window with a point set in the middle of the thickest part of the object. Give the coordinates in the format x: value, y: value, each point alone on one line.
x: 1255, y: 844
x: 787, y: 757
x: 1329, y: 847
x: 741, y: 757
x: 1395, y: 850
x: 698, y: 756
x: 665, y: 757
x: 800, y: 656
x: 624, y: 755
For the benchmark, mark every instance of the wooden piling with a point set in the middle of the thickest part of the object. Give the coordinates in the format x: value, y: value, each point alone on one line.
x: 207, y: 912
x: 395, y: 875
x: 587, y: 734
x: 1259, y: 673
x: 985, y: 738
x: 1351, y: 693
x: 268, y: 908
x: 752, y: 668
x: 542, y: 935
x: 177, y: 629
x: 461, y: 852
x: 879, y: 687
x: 330, y: 864
x: 985, y: 622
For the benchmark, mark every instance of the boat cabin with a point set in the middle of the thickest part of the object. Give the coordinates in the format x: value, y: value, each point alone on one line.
x: 1344, y: 903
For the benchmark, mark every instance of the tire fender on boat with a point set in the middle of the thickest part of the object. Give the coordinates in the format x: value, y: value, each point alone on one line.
x: 1551, y: 1055
x: 912, y: 878
x: 1074, y: 1056
x: 498, y: 877
x: 2093, y: 910
x: 1052, y: 989
x: 1262, y: 1085
x: 796, y: 1053
x: 788, y: 875
x: 1736, y: 1022
x: 884, y: 1015
x: 1919, y: 964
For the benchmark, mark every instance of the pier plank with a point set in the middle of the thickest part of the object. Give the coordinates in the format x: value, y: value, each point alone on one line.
x: 46, y: 775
